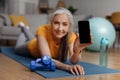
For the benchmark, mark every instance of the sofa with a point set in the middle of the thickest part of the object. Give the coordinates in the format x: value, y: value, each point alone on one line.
x: 9, y: 31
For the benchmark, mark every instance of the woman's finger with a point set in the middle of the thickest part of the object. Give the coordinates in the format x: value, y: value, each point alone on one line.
x: 76, y: 70
x: 81, y: 70
x: 71, y: 70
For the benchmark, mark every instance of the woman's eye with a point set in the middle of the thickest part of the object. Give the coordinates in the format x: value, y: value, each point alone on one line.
x: 56, y: 22
x: 65, y: 24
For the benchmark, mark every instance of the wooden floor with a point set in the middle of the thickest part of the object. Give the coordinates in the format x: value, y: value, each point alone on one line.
x: 113, y: 58
x: 11, y: 70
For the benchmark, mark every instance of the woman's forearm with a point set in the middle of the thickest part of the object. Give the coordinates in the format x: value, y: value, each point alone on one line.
x: 75, y: 58
x: 61, y: 65
x: 74, y: 69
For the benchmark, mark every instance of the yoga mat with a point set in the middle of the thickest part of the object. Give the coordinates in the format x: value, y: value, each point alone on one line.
x: 90, y: 69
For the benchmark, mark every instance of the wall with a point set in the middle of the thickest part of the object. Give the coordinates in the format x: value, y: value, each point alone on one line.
x: 53, y: 3
x: 21, y: 6
x: 25, y: 6
x: 95, y: 7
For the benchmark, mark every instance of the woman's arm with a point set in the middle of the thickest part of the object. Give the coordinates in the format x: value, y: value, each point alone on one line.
x: 44, y: 50
x: 75, y: 50
x: 74, y: 57
x: 43, y: 46
x: 74, y: 69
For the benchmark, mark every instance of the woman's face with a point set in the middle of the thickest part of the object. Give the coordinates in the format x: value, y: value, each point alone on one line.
x: 60, y: 25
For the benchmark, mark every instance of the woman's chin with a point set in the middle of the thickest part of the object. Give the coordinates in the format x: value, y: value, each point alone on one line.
x: 59, y: 36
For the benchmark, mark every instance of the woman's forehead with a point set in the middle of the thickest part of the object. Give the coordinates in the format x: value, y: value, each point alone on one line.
x: 63, y: 17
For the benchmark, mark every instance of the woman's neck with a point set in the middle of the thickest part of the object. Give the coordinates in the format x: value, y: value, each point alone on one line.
x: 56, y: 40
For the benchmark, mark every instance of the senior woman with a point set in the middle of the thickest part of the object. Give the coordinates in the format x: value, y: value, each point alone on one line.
x: 54, y: 39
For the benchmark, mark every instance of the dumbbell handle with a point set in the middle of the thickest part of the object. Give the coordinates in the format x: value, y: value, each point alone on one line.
x: 46, y: 60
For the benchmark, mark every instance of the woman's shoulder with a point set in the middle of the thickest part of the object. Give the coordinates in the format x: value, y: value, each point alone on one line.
x: 72, y: 34
x: 72, y: 37
x: 43, y: 30
x: 44, y: 27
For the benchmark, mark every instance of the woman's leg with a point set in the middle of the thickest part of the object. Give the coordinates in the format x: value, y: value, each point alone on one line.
x: 26, y: 31
x: 21, y: 46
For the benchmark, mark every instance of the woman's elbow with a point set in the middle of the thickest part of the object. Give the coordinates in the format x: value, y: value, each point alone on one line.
x: 74, y: 61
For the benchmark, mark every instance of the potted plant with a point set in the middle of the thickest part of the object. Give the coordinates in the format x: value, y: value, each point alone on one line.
x: 72, y: 9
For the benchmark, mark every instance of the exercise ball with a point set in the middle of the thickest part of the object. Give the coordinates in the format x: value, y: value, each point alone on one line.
x: 101, y: 28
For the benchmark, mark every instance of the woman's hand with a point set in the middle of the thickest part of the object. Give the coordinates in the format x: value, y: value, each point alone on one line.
x: 78, y: 46
x: 76, y: 70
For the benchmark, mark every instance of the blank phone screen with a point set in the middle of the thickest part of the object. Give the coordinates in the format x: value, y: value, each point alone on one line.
x: 84, y: 31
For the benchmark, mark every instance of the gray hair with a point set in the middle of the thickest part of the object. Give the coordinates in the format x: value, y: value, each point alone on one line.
x: 61, y: 11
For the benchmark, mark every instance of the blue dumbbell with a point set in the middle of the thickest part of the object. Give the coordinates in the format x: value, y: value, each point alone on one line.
x: 35, y: 66
x: 43, y: 63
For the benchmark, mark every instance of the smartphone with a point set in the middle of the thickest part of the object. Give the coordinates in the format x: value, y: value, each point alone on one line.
x: 84, y: 31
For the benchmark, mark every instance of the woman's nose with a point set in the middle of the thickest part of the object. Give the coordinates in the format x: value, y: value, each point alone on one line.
x: 60, y: 27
